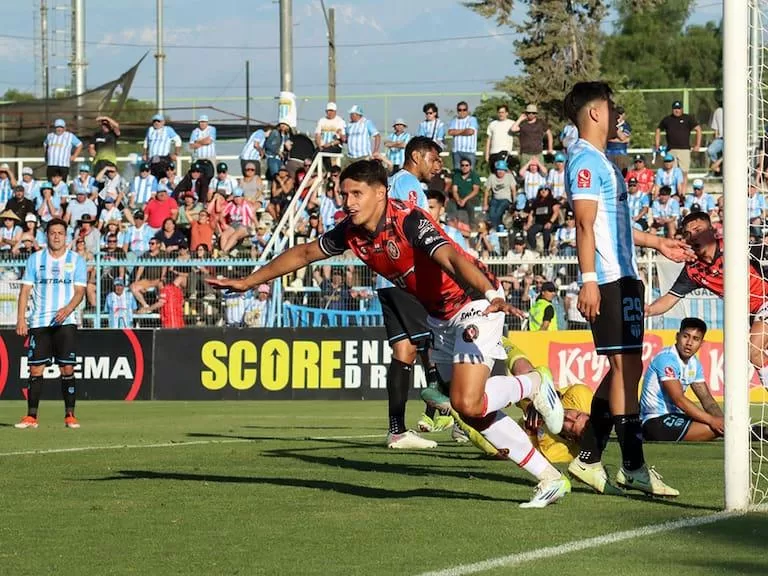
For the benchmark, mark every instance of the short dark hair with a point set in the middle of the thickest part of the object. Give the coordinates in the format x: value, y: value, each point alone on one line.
x: 695, y: 323
x: 335, y: 169
x: 692, y: 217
x: 429, y: 106
x: 368, y: 171
x: 582, y: 94
x: 421, y: 144
x: 55, y: 222
x: 438, y: 195
x: 462, y: 103
x: 500, y: 106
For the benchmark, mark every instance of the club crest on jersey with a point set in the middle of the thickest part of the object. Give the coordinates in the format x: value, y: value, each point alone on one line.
x: 669, y: 372
x: 584, y: 179
x: 470, y: 334
x: 392, y: 250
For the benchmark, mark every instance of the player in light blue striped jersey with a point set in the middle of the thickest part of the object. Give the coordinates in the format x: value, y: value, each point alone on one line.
x: 464, y: 129
x: 395, y: 144
x: 202, y: 143
x: 61, y: 149
x: 667, y: 415
x: 611, y: 297
x: 55, y: 278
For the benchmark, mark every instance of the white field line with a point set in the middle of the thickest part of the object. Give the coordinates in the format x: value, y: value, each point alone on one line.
x: 578, y: 545
x: 173, y: 444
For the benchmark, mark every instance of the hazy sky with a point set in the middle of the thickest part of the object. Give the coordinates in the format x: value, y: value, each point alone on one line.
x: 206, y: 49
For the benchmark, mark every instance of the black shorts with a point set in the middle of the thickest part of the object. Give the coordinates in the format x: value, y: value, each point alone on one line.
x: 404, y: 317
x: 52, y: 344
x: 619, y: 328
x: 667, y: 428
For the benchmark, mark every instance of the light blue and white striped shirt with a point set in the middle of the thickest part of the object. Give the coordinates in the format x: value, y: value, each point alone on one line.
x: 455, y: 235
x: 237, y: 305
x: 532, y: 182
x: 161, y: 141
x: 359, y: 136
x: 557, y: 181
x: 669, y: 210
x: 208, y: 151
x: 137, y: 239
x: 637, y: 202
x: 6, y: 191
x: 434, y: 129
x: 328, y: 210
x: 8, y: 234
x: 397, y: 155
x: 249, y: 152
x: 591, y: 176
x: 59, y: 147
x: 53, y: 282
x: 31, y: 188
x: 569, y: 136
x: 143, y: 189
x: 465, y: 143
x: 120, y: 309
x: 229, y: 184
x: 87, y: 187
x: 706, y: 202
x: 667, y: 365
x: 756, y: 205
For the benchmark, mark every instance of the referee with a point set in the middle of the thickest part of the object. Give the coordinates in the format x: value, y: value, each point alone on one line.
x: 56, y: 278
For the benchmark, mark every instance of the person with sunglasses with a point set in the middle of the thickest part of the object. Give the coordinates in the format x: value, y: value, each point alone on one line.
x: 466, y: 192
x: 432, y: 127
x: 531, y: 131
x: 161, y: 146
x: 464, y: 129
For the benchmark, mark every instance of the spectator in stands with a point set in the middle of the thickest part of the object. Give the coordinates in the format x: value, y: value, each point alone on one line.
x: 565, y: 237
x: 666, y: 212
x: 432, y: 127
x: 568, y: 135
x: 486, y: 241
x: 282, y: 193
x: 148, y: 276
x: 618, y: 146
x: 576, y: 320
x: 48, y: 204
x: 201, y: 231
x: 336, y: 293
x: 253, y: 151
x: 84, y: 181
x: 28, y: 242
x: 171, y: 180
x: 81, y: 248
x: 143, y: 188
x: 395, y: 144
x: 160, y: 208
x: 10, y: 233
x: 60, y: 190
x: 330, y: 202
x: 670, y: 176
x: 522, y: 210
x: 499, y: 143
x: 170, y: 237
x: 222, y: 180
x: 639, y: 204
x: 236, y: 223
x: 534, y: 177
x: 202, y: 144
x: 556, y: 179
x: 260, y: 311
x: 109, y: 213
x: 253, y: 187
x: 135, y: 239
x: 644, y: 176
x: 216, y: 208
x: 31, y: 186
x: 19, y: 204
x: 61, y: 149
x: 7, y: 182
x: 260, y: 239
x: 360, y: 131
x: 543, y: 218
x: 464, y: 129
x: 120, y: 306
x: 103, y: 146
x: 465, y: 193
x: 77, y: 209
x: 276, y: 148
x: 500, y: 187
x: 194, y: 181
x: 238, y: 307
x: 170, y: 303
x: 110, y: 183
x: 188, y: 212
x: 161, y: 146
x: 329, y: 133
x: 542, y: 317
x: 520, y: 251
x: 310, y: 226
x: 111, y: 252
x: 532, y: 130
x: 715, y: 148
x: 198, y: 288
x: 87, y: 231
x: 757, y: 210
x: 701, y: 200
x: 111, y: 228
x: 677, y: 128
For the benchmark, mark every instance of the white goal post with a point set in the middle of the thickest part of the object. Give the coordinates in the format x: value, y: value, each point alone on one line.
x: 737, y: 170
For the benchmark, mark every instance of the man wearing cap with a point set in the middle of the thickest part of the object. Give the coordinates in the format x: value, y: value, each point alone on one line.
x: 531, y: 130
x: 143, y: 187
x: 464, y: 129
x: 253, y: 151
x: 135, y: 239
x: 86, y: 230
x: 329, y: 133
x: 171, y: 179
x: 222, y: 181
x: 359, y: 133
x: 395, y: 144
x: 61, y: 149
x: 700, y: 199
x: 84, y: 182
x: 161, y: 145
x: 669, y: 175
x: 109, y: 213
x: 81, y: 206
x: 618, y: 146
x: 639, y: 205
x: 542, y: 317
x: 120, y: 306
x: 677, y: 129
x: 556, y: 179
x: 643, y: 175
x: 103, y: 146
x: 565, y: 237
x: 202, y: 144
x: 500, y: 187
x: 7, y: 182
x: 31, y: 186
x: 499, y: 143
x: 666, y: 212
x: 19, y: 204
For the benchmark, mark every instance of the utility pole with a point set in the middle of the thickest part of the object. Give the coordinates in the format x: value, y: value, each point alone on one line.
x: 78, y: 54
x: 159, y: 62
x: 332, y: 55
x: 286, y: 45
x: 247, y: 99
x: 44, y: 56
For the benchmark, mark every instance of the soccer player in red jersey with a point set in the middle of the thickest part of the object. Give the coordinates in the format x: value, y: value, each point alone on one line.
x: 707, y: 272
x: 466, y: 310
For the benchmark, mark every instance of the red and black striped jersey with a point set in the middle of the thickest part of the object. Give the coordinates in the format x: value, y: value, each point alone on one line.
x: 401, y: 250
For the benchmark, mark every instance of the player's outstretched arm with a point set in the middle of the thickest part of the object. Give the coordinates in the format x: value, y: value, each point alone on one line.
x: 289, y: 261
x: 675, y: 250
x: 661, y: 305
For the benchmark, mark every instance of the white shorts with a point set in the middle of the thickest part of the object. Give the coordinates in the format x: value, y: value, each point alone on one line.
x: 467, y: 338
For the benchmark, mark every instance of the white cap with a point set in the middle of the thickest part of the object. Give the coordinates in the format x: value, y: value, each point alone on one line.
x: 30, y: 218
x: 203, y: 118
x: 4, y: 167
x: 698, y: 183
x: 331, y: 106
x: 399, y: 121
x: 27, y: 170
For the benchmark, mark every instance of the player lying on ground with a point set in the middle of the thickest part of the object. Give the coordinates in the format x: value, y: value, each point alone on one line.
x: 404, y: 244
x: 706, y: 271
x: 667, y: 415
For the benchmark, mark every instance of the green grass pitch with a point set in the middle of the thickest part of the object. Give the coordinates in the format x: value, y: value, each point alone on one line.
x: 307, y: 488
